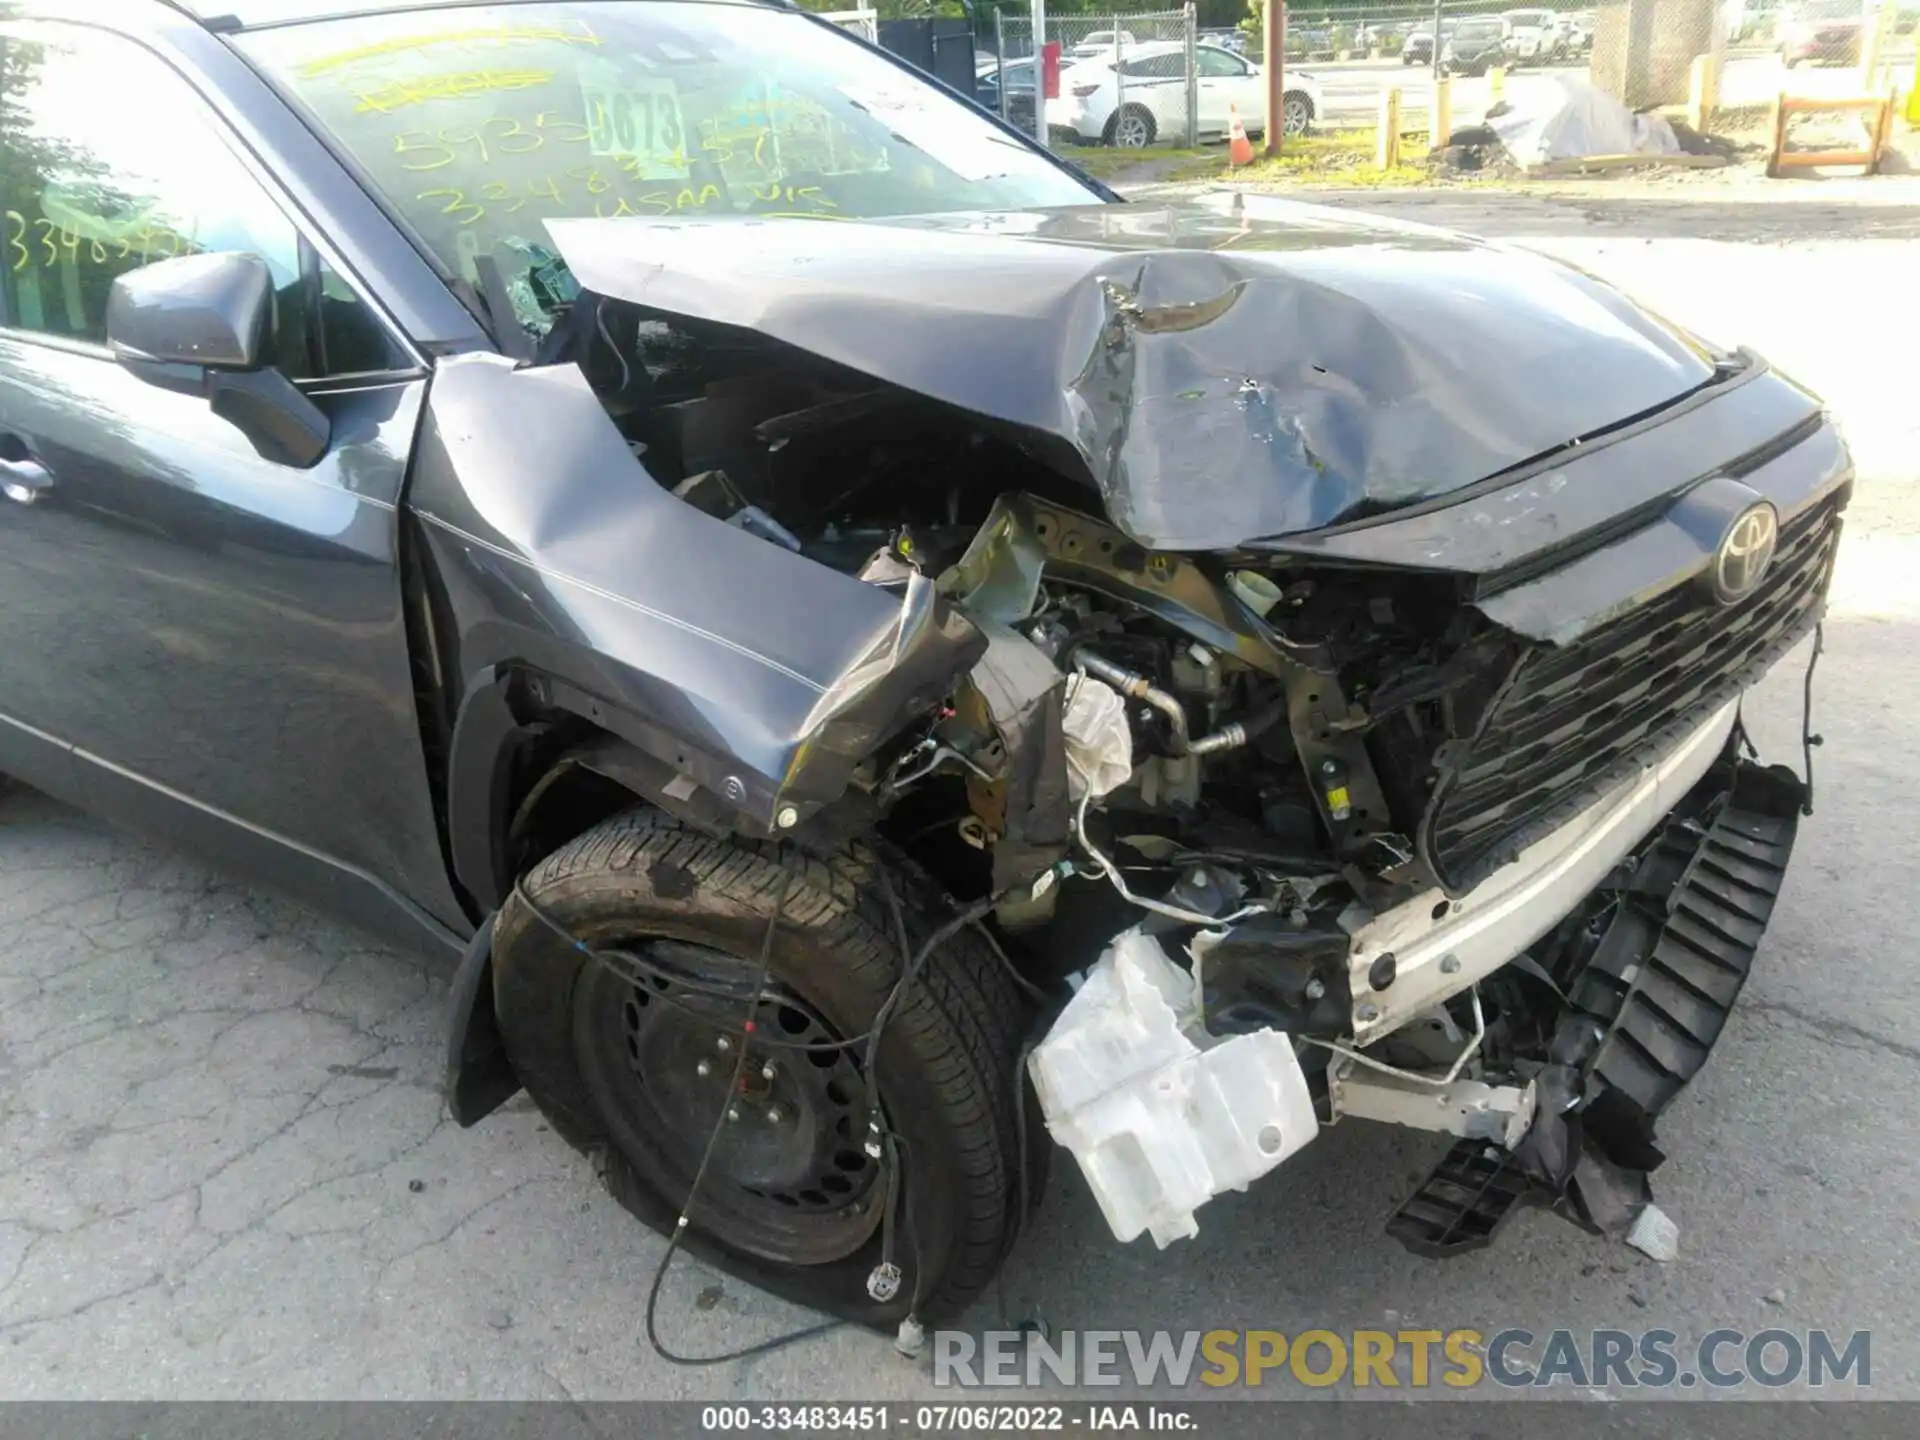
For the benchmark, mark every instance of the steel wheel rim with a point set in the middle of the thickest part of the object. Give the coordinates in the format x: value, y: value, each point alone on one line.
x: 1294, y: 117
x: 1130, y: 132
x: 789, y: 1180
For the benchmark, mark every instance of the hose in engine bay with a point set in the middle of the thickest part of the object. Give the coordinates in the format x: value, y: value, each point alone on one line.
x: 1137, y: 686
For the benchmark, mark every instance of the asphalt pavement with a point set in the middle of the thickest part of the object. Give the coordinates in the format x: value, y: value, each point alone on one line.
x: 225, y: 1171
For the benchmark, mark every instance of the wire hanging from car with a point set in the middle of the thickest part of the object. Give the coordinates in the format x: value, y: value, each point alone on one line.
x: 882, y: 1143
x: 748, y: 1027
x: 637, y: 970
x: 1808, y: 740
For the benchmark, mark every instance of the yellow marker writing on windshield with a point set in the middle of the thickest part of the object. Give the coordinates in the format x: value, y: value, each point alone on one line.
x: 581, y: 34
x: 459, y: 85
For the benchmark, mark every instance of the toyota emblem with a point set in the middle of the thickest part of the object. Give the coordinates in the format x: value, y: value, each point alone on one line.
x: 1743, y: 557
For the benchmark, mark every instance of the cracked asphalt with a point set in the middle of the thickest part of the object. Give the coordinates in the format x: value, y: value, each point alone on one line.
x: 225, y: 1171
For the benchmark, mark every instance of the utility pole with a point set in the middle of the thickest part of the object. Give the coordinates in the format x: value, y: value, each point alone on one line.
x: 1274, y: 28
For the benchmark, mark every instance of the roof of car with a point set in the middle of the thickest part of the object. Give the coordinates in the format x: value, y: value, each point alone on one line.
x: 1161, y: 47
x: 1150, y: 47
x: 249, y: 14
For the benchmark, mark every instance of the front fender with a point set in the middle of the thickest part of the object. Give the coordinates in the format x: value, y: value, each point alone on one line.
x: 751, y: 673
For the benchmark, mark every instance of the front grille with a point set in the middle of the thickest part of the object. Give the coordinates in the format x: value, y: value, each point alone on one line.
x: 1573, y: 722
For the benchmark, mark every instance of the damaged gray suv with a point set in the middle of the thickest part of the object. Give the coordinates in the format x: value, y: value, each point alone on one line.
x: 875, y: 657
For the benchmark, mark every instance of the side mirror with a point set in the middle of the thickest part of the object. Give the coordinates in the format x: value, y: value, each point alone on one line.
x: 215, y: 314
x: 211, y: 310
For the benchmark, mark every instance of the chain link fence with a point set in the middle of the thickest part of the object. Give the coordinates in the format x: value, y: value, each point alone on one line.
x: 1129, y: 80
x: 1643, y: 52
x: 1152, y: 79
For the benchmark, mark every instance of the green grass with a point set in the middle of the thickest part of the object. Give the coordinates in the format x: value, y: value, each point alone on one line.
x: 1329, y: 159
x: 1161, y: 162
x: 1336, y: 158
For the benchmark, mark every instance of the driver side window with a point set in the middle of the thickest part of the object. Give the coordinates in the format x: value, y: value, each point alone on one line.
x: 90, y: 190
x: 1216, y: 64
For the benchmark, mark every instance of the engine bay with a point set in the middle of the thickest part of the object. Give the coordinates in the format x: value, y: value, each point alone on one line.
x: 1278, y: 721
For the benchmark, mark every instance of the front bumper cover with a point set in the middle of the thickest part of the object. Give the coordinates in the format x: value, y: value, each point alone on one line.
x: 1636, y: 1024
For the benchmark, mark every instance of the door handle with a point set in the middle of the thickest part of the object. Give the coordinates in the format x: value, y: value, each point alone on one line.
x: 25, y: 479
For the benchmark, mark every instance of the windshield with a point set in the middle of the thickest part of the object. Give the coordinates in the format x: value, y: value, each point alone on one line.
x: 1831, y: 10
x: 479, y: 123
x: 1478, y: 30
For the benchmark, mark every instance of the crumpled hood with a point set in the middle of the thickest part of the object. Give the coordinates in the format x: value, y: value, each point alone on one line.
x: 1223, y: 370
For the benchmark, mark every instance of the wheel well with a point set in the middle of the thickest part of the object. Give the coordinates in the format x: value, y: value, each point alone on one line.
x: 527, y: 774
x: 536, y: 762
x: 1302, y: 96
x: 557, y: 794
x: 1113, y: 120
x: 570, y: 775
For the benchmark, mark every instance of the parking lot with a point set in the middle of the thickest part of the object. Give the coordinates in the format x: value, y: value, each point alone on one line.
x: 224, y: 1168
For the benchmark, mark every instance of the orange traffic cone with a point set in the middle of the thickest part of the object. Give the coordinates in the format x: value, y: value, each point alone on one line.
x: 1239, y: 148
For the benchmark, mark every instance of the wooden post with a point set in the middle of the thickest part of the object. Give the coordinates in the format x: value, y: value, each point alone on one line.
x: 1387, y: 150
x: 1442, y: 127
x: 1873, y: 44
x: 1703, y: 92
x: 1496, y: 84
x: 1274, y: 25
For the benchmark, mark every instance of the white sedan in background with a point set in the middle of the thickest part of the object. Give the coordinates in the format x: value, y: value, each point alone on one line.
x: 1144, y: 97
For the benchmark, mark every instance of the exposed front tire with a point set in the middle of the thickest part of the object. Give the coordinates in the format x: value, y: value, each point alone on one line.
x: 636, y: 1070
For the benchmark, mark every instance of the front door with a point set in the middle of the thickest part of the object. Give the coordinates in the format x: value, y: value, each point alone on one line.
x: 213, y: 640
x: 1226, y: 84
